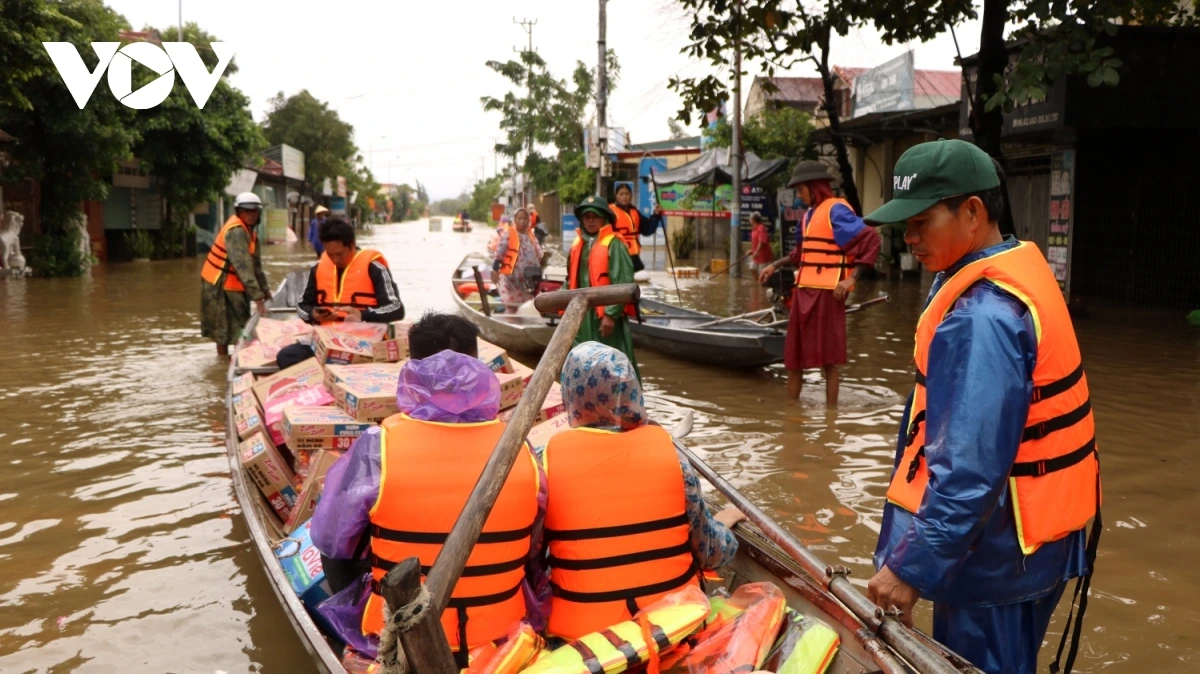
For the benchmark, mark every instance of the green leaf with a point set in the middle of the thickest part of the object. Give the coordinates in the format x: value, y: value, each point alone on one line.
x: 1111, y: 77
x: 1095, y: 78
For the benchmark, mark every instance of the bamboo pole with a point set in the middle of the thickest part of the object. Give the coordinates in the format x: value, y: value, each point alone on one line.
x: 483, y: 296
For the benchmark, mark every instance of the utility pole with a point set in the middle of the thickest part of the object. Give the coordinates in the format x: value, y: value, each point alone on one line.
x: 735, y: 205
x: 601, y: 134
x: 527, y: 26
x: 181, y: 21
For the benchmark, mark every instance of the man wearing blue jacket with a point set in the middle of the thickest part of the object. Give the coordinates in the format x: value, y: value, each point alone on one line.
x: 996, y: 471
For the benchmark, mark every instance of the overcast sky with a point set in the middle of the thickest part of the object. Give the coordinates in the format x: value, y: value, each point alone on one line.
x: 408, y: 75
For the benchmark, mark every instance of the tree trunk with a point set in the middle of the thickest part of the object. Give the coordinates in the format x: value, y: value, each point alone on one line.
x: 835, y: 132
x: 993, y: 61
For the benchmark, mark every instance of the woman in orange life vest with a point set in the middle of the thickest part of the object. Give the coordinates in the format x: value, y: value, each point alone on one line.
x: 518, y: 250
x: 832, y: 248
x: 348, y: 283
x: 233, y: 276
x: 399, y: 488
x: 996, y: 469
x: 608, y: 557
x: 631, y: 224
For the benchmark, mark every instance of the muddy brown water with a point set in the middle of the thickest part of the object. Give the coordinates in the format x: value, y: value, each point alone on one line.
x: 122, y: 548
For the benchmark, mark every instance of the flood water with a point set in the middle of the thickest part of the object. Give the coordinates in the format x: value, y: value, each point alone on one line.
x: 122, y: 548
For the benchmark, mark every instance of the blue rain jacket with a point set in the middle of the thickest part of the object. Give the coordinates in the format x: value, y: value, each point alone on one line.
x: 961, y: 546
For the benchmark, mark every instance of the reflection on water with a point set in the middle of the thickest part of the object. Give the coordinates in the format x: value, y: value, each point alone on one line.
x: 121, y: 547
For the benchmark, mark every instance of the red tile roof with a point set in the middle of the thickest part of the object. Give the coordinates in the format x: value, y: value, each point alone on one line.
x: 798, y: 89
x: 944, y: 84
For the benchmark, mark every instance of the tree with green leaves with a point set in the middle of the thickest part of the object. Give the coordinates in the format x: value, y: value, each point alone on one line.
x: 71, y: 151
x: 479, y: 207
x: 775, y: 134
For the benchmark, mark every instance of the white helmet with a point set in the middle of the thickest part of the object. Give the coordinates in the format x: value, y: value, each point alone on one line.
x: 248, y: 201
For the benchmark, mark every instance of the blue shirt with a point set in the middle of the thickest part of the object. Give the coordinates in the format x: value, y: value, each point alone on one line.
x: 313, y: 236
x: 961, y: 545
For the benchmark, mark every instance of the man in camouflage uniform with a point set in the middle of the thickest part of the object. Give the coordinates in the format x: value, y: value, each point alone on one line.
x: 233, y: 276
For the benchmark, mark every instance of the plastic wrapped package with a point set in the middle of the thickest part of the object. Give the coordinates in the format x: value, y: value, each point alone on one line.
x: 654, y: 631
x: 516, y: 651
x: 806, y: 646
x: 374, y: 332
x: 742, y: 643
x: 357, y: 663
x: 344, y: 611
x: 448, y: 387
x: 282, y: 333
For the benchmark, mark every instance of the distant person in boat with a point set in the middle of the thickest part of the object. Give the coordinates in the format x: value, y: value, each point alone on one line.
x: 348, y: 283
x: 833, y: 246
x: 518, y: 251
x: 760, y: 243
x: 996, y: 469
x: 626, y: 521
x: 599, y: 258
x: 630, y: 224
x: 233, y: 276
x: 400, y: 487
x: 539, y: 227
x: 314, y: 229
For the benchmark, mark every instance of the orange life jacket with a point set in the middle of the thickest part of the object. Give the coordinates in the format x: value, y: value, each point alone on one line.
x: 627, y: 227
x: 611, y: 556
x: 1055, y: 482
x: 509, y: 263
x: 597, y: 265
x: 354, y: 288
x: 823, y: 263
x: 217, y: 263
x: 428, y: 471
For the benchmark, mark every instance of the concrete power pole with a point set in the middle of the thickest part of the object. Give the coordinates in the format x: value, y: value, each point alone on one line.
x: 735, y: 205
x: 601, y: 134
x: 528, y: 25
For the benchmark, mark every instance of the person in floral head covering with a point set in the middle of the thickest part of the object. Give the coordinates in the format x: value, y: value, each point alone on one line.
x: 616, y: 471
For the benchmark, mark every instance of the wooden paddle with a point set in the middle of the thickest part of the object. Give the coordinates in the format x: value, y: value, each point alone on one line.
x: 424, y: 641
x: 483, y: 296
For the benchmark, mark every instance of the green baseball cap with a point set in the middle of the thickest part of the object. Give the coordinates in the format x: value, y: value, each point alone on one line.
x: 930, y: 172
x: 598, y: 206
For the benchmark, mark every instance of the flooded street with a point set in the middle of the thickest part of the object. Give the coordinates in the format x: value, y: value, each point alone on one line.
x: 122, y: 548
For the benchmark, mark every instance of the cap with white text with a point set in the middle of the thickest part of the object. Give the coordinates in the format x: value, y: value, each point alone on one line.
x: 930, y: 172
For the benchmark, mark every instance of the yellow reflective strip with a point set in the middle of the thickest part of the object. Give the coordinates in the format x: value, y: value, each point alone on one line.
x: 1028, y: 302
x: 537, y: 474
x: 609, y: 657
x: 601, y: 431
x: 444, y: 423
x: 383, y: 469
x: 342, y: 280
x: 1026, y: 548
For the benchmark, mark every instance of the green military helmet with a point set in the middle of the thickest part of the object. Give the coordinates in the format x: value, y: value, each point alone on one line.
x: 598, y: 206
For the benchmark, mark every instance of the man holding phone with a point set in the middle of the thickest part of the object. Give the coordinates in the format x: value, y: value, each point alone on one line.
x: 348, y: 284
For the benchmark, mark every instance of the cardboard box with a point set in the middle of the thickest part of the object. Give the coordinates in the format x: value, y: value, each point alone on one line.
x: 383, y: 373
x: 257, y: 355
x: 552, y: 407
x: 399, y: 330
x: 494, y: 357
x: 311, y: 395
x: 270, y: 473
x: 244, y: 401
x: 248, y: 423
x: 368, y: 400
x: 321, y: 428
x: 372, y: 332
x: 336, y: 348
x: 305, y: 372
x: 241, y: 383
x: 525, y: 373
x: 280, y: 333
x: 317, y: 465
x: 511, y: 388
x: 301, y: 562
x: 390, y: 351
x: 539, y: 436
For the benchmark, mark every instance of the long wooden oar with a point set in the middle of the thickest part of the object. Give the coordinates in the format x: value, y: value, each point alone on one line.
x: 670, y: 258
x: 422, y: 636
x: 740, y: 260
x: 895, y: 634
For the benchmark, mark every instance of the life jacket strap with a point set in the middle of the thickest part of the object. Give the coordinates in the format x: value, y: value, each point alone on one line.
x: 1041, y: 430
x: 919, y: 377
x: 398, y: 536
x: 466, y: 602
x: 1054, y: 388
x: 1040, y: 468
x: 914, y: 428
x: 1082, y: 586
x: 915, y: 464
x: 625, y: 594
x: 684, y: 548
x: 588, y: 656
x: 469, y: 571
x: 614, y: 531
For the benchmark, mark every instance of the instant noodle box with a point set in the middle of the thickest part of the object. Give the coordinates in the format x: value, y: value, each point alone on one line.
x: 552, y: 407
x: 270, y: 473
x: 371, y: 373
x: 539, y: 436
x: 494, y: 357
x: 511, y: 388
x: 314, y: 464
x: 241, y: 383
x: 339, y: 348
x: 312, y: 395
x: 321, y: 428
x: 306, y: 372
x: 368, y: 400
x: 390, y: 351
x: 257, y: 355
x: 399, y: 330
x: 301, y: 562
x: 248, y: 422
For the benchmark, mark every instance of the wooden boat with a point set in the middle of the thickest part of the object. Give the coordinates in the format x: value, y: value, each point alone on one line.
x: 520, y: 334
x: 757, y: 560
x: 685, y: 333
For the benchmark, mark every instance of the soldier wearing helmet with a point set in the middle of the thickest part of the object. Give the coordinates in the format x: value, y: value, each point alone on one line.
x: 233, y: 275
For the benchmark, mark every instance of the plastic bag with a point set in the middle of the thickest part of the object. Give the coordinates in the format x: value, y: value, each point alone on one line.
x: 344, y: 612
x: 742, y: 643
x: 372, y: 332
x: 807, y: 646
x: 448, y: 387
x: 519, y: 649
x: 281, y: 333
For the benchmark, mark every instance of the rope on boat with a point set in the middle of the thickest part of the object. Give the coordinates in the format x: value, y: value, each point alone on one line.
x: 391, y: 655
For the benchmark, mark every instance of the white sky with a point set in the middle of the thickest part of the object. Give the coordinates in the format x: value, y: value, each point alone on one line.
x: 408, y: 75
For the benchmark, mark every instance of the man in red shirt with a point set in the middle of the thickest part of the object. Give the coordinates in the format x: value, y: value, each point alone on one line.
x: 760, y: 244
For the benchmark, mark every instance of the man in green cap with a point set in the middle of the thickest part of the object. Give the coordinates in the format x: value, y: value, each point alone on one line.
x: 996, y: 472
x: 599, y: 258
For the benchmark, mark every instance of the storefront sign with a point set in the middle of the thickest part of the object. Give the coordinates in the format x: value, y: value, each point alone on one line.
x: 754, y: 200
x: 1058, y: 244
x: 276, y: 224
x: 1035, y: 115
x: 791, y: 215
x: 695, y: 201
x: 885, y: 88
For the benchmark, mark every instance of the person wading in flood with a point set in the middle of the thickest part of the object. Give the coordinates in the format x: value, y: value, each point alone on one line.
x: 599, y: 258
x: 233, y: 276
x: 516, y: 251
x: 348, y: 283
x: 996, y: 471
x: 833, y: 247
x: 630, y: 224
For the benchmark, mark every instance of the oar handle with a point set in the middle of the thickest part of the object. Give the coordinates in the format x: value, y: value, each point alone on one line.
x: 600, y: 296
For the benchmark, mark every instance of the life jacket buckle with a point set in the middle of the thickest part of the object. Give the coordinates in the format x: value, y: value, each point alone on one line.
x: 1037, y: 394
x: 1041, y: 468
x: 913, y: 429
x: 1039, y: 431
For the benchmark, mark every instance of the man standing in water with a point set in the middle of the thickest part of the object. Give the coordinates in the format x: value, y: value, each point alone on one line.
x: 996, y: 471
x: 832, y: 249
x: 233, y: 276
x: 599, y: 258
